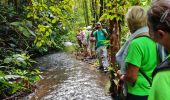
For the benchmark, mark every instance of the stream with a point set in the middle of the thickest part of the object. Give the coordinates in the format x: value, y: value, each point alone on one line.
x: 66, y: 78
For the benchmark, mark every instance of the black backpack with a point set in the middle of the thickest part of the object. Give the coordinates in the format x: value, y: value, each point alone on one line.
x: 165, y: 65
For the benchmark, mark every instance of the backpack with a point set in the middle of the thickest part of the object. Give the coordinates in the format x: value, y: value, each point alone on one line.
x: 165, y: 65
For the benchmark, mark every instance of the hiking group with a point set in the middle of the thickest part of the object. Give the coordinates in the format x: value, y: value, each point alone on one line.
x: 92, y: 41
x: 144, y: 59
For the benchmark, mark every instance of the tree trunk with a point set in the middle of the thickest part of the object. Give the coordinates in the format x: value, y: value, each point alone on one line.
x: 101, y: 7
x: 96, y: 11
x: 114, y: 40
x: 93, y: 9
x: 4, y: 2
x: 16, y: 3
x: 86, y: 12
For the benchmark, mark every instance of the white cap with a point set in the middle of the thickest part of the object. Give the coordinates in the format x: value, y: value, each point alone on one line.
x: 88, y: 27
x: 98, y: 23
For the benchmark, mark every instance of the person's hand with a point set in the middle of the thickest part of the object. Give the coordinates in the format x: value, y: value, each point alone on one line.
x: 105, y: 33
x: 118, y: 74
x: 102, y: 30
x: 84, y: 43
x: 92, y: 39
x: 122, y: 77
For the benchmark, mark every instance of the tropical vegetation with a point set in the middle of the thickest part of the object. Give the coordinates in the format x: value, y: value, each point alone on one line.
x: 30, y: 28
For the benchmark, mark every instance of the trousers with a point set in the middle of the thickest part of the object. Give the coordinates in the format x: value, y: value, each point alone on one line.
x: 102, y: 56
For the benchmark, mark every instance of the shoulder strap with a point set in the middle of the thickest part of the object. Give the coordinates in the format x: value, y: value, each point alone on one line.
x: 165, y: 65
x: 96, y: 35
x: 146, y: 77
x: 161, y: 53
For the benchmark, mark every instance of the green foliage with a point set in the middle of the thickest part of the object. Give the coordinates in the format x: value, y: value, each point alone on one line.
x: 51, y: 21
x: 24, y: 27
x: 20, y: 60
x: 124, y: 33
x: 29, y: 28
x: 17, y: 73
x: 9, y: 88
x: 117, y: 9
x: 140, y: 2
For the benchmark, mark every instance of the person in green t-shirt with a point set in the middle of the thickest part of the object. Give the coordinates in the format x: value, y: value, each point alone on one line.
x: 101, y: 46
x: 139, y: 56
x: 159, y: 29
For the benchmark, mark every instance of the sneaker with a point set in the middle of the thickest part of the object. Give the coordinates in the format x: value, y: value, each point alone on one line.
x: 105, y: 70
x: 100, y: 68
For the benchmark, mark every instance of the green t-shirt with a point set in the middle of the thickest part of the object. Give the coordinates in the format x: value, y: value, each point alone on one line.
x: 87, y: 34
x: 100, y: 38
x: 142, y: 53
x: 161, y: 86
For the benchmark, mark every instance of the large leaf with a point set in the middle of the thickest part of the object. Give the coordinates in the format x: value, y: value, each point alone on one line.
x: 20, y: 59
x: 38, y: 44
x: 16, y: 23
x: 2, y: 75
x: 7, y: 60
x: 28, y: 23
x: 24, y: 31
x: 30, y: 31
x: 13, y: 77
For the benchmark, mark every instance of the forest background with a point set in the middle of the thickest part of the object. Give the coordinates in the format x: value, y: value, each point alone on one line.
x: 29, y: 28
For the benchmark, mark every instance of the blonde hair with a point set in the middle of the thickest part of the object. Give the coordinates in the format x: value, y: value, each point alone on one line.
x: 136, y: 18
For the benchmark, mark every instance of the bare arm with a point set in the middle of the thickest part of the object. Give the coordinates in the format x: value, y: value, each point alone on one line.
x: 105, y: 33
x: 131, y: 73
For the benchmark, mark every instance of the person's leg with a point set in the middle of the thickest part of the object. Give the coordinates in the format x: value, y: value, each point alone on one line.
x: 99, y: 56
x: 89, y: 49
x: 93, y: 50
x: 105, y: 60
x: 80, y: 44
x: 85, y: 51
x: 84, y: 42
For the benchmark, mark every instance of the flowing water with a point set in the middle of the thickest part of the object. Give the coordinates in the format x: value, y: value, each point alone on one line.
x: 67, y: 78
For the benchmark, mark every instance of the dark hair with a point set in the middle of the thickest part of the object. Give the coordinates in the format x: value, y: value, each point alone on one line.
x: 159, y: 15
